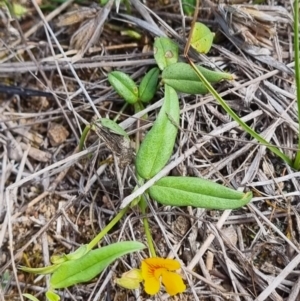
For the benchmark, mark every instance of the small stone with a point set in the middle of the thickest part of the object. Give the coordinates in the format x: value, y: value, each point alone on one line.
x: 57, y: 134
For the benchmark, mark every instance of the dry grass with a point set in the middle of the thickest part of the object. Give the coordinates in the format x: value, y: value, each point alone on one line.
x: 54, y: 198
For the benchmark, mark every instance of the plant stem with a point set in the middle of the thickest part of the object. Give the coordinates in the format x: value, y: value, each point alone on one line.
x: 83, y: 137
x: 143, y: 206
x: 121, y: 111
x: 243, y: 125
x: 94, y: 242
x: 296, y: 163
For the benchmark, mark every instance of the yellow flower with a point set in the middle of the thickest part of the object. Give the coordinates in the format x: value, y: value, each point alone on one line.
x: 156, y: 270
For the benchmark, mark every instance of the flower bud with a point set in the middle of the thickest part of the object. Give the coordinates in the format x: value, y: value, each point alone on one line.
x: 130, y: 279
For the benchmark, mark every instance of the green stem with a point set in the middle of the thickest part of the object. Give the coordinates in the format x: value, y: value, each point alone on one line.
x: 83, y: 137
x: 296, y: 163
x: 243, y: 125
x: 121, y: 111
x: 143, y: 206
x: 95, y: 241
x: 128, y: 7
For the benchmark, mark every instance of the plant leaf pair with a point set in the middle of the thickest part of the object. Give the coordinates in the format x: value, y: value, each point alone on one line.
x: 197, y: 192
x: 127, y: 89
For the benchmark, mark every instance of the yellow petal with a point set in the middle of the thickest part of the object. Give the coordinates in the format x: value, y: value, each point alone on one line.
x: 147, y: 270
x: 173, y: 283
x: 158, y: 273
x: 152, y: 270
x: 157, y: 262
x: 151, y: 285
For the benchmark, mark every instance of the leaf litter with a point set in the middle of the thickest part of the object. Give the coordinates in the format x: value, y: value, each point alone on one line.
x: 54, y: 198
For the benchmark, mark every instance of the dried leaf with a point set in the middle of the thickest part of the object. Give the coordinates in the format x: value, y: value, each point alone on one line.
x: 90, y: 32
x: 120, y: 145
x: 77, y: 16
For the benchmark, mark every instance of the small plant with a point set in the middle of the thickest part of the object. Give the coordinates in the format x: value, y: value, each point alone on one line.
x: 157, y: 146
x: 154, y: 153
x: 82, y: 265
x: 130, y: 92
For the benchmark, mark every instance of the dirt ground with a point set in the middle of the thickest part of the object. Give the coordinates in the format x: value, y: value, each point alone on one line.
x: 54, y: 61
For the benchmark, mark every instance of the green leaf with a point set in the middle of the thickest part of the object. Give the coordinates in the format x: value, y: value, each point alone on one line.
x: 30, y: 297
x: 19, y: 10
x: 113, y: 127
x: 5, y: 277
x: 188, y: 7
x: 202, y: 38
x: 51, y: 296
x: 183, y: 78
x: 165, y: 52
x: 90, y: 265
x: 42, y: 271
x: 157, y: 147
x: 197, y: 192
x: 148, y: 85
x: 132, y: 34
x: 124, y: 86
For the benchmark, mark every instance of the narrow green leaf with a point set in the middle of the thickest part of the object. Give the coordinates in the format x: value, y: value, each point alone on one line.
x: 183, y: 78
x: 90, y: 265
x: 148, y: 85
x: 197, y: 192
x: 296, y: 163
x: 124, y: 86
x: 202, y: 38
x: 165, y: 52
x: 42, y: 271
x: 132, y: 34
x: 157, y: 147
x: 6, y: 276
x: 30, y: 297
